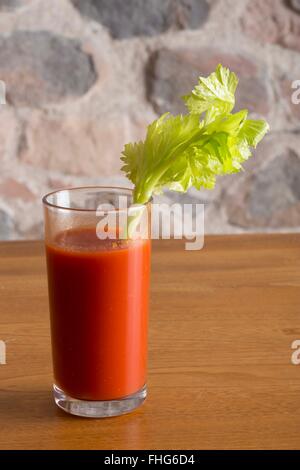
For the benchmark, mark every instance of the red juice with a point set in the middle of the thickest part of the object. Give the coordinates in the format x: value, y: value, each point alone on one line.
x: 98, y: 291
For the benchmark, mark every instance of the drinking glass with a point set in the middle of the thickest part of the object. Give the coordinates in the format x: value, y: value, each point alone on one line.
x: 98, y: 283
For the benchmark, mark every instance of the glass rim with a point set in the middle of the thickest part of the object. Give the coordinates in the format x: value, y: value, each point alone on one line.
x: 77, y: 188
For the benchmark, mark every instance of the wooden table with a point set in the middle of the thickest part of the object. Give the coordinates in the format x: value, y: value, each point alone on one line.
x: 220, y: 374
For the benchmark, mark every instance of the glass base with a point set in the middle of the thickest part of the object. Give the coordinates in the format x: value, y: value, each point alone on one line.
x: 99, y: 409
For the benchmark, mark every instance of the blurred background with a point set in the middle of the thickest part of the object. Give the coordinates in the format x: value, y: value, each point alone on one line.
x: 83, y: 77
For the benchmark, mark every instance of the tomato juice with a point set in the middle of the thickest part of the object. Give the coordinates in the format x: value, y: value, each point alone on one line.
x: 98, y: 293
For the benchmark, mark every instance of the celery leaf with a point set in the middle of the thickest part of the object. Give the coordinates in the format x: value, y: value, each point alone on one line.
x: 192, y: 150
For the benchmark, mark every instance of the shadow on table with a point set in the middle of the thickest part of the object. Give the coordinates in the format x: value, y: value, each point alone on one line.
x: 29, y: 405
x: 19, y: 404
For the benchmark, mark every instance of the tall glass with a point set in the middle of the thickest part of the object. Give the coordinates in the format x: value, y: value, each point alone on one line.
x: 98, y: 280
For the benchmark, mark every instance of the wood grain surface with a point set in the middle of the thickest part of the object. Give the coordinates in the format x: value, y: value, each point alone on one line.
x: 220, y: 374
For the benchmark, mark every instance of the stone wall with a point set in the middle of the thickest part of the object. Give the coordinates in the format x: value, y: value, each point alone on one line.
x: 85, y: 76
